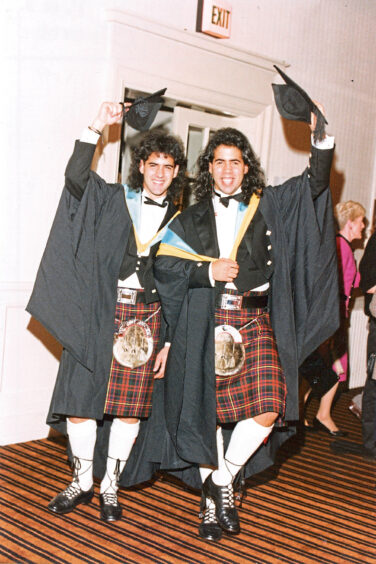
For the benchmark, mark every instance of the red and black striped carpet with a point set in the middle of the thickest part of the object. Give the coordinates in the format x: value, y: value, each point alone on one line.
x: 315, y: 507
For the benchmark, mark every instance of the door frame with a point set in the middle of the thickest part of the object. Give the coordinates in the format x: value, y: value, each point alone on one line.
x: 202, y: 73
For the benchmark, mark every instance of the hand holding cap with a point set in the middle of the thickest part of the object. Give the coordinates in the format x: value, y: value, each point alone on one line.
x: 294, y: 103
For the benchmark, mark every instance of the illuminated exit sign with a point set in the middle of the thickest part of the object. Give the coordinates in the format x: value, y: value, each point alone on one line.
x: 214, y: 18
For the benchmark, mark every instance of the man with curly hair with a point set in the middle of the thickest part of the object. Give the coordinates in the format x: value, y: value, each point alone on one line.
x: 256, y: 263
x: 95, y: 291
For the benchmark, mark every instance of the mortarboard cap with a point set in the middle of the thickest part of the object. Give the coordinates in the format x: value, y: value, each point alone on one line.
x: 294, y: 103
x: 142, y: 112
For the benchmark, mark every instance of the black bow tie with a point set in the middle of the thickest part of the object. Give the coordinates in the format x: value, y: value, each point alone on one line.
x: 154, y: 203
x: 224, y: 200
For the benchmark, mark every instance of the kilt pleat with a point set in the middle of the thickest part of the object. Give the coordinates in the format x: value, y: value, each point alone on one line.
x: 259, y: 386
x: 129, y: 390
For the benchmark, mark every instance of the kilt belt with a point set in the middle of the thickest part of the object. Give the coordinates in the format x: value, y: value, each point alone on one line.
x: 259, y: 386
x: 129, y: 390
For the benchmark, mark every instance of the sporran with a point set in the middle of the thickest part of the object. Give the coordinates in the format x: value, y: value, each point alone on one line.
x: 133, y: 343
x: 229, y: 350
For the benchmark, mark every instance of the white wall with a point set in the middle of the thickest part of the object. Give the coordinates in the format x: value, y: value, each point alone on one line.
x: 57, y: 68
x: 53, y: 78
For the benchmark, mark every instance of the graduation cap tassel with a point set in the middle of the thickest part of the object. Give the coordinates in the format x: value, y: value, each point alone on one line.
x: 319, y: 133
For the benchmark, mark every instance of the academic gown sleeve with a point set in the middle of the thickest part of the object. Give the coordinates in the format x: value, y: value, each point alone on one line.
x: 61, y: 296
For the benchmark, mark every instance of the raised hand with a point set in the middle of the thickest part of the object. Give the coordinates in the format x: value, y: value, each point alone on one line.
x: 108, y: 114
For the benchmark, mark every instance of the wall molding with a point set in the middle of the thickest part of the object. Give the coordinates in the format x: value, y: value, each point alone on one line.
x: 234, y: 80
x: 28, y: 365
x: 203, y: 73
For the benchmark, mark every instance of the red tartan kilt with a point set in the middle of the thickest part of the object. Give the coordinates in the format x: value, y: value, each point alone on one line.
x: 130, y: 389
x: 259, y: 386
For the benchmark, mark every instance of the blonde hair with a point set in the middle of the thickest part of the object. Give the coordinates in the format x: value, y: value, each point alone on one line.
x: 345, y: 211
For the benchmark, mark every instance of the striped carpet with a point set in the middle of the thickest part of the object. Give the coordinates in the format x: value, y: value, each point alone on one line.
x: 312, y: 507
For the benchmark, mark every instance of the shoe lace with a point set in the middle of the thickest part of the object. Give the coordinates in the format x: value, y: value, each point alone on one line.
x: 76, y: 466
x: 113, y: 487
x: 238, y: 483
x: 228, y: 496
x: 209, y: 516
x: 110, y: 498
x: 72, y: 490
x: 239, y: 487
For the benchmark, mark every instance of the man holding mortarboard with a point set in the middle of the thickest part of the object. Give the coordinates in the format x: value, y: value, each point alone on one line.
x: 95, y: 293
x: 248, y: 284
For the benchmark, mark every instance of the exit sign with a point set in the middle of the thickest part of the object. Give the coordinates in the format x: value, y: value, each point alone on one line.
x: 214, y: 18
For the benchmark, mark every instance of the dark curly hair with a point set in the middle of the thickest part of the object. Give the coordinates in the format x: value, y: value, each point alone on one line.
x: 159, y: 141
x: 254, y: 179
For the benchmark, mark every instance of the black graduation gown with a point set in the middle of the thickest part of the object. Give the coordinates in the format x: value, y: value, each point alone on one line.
x: 74, y: 295
x: 304, y: 313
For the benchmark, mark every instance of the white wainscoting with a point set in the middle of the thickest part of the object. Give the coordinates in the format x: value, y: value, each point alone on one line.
x: 29, y: 362
x: 358, y: 344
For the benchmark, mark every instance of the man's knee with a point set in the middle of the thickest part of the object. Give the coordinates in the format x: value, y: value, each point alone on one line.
x: 266, y: 419
x: 77, y: 419
x: 131, y: 420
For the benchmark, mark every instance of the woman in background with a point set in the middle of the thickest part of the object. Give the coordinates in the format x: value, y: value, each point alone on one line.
x: 350, y: 219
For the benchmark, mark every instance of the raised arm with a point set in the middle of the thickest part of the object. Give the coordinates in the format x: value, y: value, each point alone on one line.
x: 78, y: 168
x: 321, y: 159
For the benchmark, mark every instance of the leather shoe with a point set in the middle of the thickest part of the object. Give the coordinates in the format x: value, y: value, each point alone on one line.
x: 321, y: 427
x: 68, y: 500
x: 225, y: 510
x: 306, y: 427
x: 110, y: 507
x: 209, y: 529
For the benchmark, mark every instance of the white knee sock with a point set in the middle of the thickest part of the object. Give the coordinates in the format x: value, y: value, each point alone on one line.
x: 221, y: 476
x: 121, y: 441
x: 246, y: 438
x: 205, y: 471
x: 82, y: 437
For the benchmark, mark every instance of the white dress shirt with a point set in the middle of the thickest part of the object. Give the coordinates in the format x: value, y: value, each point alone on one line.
x: 151, y: 218
x: 225, y: 220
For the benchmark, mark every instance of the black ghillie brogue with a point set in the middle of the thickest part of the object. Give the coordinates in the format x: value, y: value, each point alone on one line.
x: 73, y: 495
x: 68, y: 500
x: 225, y: 510
x: 110, y: 507
x: 209, y: 528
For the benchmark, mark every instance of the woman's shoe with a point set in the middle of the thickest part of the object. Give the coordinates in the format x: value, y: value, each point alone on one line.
x: 321, y: 427
x: 309, y: 428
